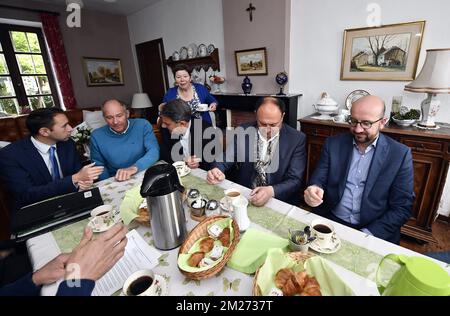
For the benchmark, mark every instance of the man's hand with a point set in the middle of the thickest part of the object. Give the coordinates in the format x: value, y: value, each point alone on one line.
x: 87, y: 173
x: 85, y: 185
x: 91, y: 259
x: 126, y: 174
x: 193, y: 162
x: 213, y: 107
x: 261, y: 195
x: 215, y: 176
x: 52, y: 271
x: 314, y: 196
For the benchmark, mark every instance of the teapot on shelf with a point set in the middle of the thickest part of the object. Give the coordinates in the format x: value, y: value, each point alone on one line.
x: 400, y: 275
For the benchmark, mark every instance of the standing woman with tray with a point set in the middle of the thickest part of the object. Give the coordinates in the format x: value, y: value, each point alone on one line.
x: 193, y: 93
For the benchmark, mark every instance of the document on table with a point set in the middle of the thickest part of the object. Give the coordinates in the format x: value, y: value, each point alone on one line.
x: 138, y: 255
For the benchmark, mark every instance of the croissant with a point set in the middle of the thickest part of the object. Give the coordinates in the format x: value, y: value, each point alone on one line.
x: 290, y: 288
x: 195, y: 259
x: 224, y: 237
x: 301, y: 279
x: 206, y: 245
x: 282, y: 277
x: 312, y: 287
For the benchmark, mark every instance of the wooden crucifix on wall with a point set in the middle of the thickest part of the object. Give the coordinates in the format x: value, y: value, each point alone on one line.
x: 250, y: 10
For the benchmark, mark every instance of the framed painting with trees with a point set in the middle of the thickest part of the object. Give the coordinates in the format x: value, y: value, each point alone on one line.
x: 103, y: 71
x: 388, y: 52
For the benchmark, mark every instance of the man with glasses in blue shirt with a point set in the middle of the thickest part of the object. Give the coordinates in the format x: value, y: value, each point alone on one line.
x: 364, y: 179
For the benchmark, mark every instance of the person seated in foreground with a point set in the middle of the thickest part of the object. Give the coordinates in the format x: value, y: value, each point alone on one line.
x: 183, y: 136
x: 87, y: 263
x: 364, y: 179
x: 124, y: 146
x: 45, y: 164
x: 271, y: 158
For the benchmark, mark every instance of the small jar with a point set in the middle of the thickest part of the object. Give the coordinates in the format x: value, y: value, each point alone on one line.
x: 212, y: 208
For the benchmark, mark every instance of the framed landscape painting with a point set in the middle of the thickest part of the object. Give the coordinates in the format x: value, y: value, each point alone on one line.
x: 388, y: 52
x: 251, y: 62
x: 103, y: 71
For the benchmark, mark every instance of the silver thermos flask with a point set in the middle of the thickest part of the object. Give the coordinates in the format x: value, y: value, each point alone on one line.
x: 163, y: 191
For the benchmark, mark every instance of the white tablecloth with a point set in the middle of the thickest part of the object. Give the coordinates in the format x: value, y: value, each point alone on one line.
x: 357, y: 266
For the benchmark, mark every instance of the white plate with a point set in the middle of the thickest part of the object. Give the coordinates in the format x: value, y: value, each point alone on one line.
x: 211, y: 48
x: 183, y: 53
x: 202, y: 50
x: 334, y: 247
x: 192, y: 51
x: 224, y: 205
x: 355, y: 95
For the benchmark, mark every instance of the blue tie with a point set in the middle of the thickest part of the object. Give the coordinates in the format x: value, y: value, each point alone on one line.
x: 54, y: 162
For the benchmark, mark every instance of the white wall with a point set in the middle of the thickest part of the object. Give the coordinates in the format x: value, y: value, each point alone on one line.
x: 179, y: 23
x: 316, y: 50
x: 316, y: 47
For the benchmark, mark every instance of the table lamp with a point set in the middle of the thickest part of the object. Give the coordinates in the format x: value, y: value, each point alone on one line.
x: 434, y: 79
x: 141, y: 101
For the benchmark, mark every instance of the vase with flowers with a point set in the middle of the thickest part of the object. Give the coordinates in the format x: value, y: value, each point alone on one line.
x: 217, y: 81
x: 82, y: 136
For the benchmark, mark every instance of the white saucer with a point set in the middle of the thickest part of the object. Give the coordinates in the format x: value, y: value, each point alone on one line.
x: 163, y: 289
x: 198, y: 110
x: 334, y: 247
x: 186, y: 173
x: 116, y: 219
x: 224, y: 205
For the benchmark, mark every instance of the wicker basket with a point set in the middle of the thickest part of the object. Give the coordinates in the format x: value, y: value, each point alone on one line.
x: 297, y: 256
x: 201, y: 231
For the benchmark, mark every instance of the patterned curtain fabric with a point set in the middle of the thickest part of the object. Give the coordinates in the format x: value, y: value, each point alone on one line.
x: 55, y: 42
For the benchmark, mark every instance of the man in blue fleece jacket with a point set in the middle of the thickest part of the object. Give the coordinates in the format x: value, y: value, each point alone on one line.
x: 124, y: 146
x: 87, y: 263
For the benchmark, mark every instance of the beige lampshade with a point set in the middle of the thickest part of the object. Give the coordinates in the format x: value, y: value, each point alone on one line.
x: 435, y: 75
x: 141, y: 101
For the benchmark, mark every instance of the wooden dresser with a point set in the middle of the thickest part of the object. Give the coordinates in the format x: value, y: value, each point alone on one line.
x: 431, y: 156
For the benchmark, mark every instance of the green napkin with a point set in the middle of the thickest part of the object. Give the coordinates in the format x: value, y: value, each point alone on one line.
x: 251, y: 251
x: 130, y: 204
x: 183, y: 258
x: 330, y: 283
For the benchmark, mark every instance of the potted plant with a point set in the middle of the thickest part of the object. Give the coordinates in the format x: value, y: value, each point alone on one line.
x: 406, y: 117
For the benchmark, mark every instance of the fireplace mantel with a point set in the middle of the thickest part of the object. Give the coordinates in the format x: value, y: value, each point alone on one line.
x: 244, y: 105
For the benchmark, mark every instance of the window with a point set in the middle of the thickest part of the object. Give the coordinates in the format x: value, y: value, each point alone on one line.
x: 26, y: 78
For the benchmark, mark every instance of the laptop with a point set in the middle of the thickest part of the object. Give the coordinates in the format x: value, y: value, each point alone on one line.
x: 47, y: 215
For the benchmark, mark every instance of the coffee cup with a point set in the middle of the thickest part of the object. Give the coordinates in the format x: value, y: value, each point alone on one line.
x: 102, y: 216
x: 323, y: 231
x: 141, y: 283
x: 181, y: 167
x: 230, y: 196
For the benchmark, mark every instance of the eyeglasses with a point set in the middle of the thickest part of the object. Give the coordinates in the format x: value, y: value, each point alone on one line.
x: 364, y: 124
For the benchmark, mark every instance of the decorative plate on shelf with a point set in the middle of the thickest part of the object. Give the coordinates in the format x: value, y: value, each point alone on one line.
x: 211, y: 48
x: 202, y: 50
x: 355, y: 95
x: 176, y: 56
x: 183, y: 53
x: 192, y: 51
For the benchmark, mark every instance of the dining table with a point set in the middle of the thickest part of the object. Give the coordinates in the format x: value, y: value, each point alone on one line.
x: 356, y: 262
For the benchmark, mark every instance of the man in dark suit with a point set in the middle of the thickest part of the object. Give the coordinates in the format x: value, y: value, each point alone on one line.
x: 87, y: 263
x: 364, y: 179
x: 183, y: 137
x: 270, y: 156
x: 46, y: 164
